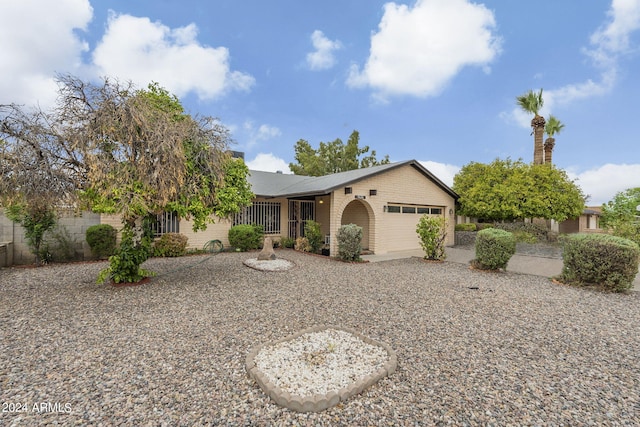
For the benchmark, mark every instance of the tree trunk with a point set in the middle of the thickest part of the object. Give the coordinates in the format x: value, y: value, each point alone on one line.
x: 537, y: 124
x: 548, y: 150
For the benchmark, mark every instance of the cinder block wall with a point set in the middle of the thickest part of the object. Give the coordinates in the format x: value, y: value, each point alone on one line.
x: 75, y: 224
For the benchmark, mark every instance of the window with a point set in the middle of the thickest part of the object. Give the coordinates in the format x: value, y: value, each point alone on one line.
x: 413, y: 209
x: 348, y: 190
x: 266, y: 214
x: 166, y: 222
x: 373, y: 192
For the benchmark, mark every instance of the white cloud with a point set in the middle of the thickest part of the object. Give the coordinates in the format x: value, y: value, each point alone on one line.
x: 612, y: 38
x: 608, y: 44
x: 37, y: 40
x: 255, y: 135
x: 142, y: 51
x: 443, y: 171
x: 602, y: 183
x: 418, y: 50
x: 322, y: 57
x: 268, y: 163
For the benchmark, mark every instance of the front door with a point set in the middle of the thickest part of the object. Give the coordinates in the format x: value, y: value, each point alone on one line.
x: 300, y: 211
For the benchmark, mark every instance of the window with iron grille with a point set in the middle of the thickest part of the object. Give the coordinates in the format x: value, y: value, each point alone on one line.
x: 166, y: 222
x: 266, y: 214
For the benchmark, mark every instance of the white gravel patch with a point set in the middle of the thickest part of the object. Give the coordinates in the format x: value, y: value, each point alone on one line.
x: 277, y: 264
x: 319, y: 362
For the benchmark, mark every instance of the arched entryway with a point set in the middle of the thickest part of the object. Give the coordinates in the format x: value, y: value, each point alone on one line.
x: 359, y: 212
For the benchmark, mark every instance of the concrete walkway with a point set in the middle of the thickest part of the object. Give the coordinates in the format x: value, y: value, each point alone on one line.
x: 526, y: 264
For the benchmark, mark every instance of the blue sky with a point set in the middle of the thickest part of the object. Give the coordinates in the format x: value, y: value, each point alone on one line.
x: 432, y: 80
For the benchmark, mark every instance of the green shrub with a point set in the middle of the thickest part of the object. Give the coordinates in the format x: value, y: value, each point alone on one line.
x: 349, y: 242
x: 36, y: 221
x: 525, y: 237
x: 170, y: 245
x: 287, y: 242
x: 124, y: 264
x: 528, y: 232
x: 467, y: 226
x: 102, y: 240
x: 246, y: 237
x: 432, y: 232
x: 494, y: 248
x: 600, y: 259
x: 302, y: 244
x: 314, y: 235
x: 484, y: 225
x: 59, y: 245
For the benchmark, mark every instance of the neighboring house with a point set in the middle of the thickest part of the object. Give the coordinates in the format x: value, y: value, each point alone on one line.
x: 386, y: 201
x: 588, y: 222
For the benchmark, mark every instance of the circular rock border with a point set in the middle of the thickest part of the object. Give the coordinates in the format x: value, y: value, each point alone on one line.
x: 319, y: 402
x: 278, y: 264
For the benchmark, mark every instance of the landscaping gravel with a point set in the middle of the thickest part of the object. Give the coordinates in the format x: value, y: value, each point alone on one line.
x: 473, y: 348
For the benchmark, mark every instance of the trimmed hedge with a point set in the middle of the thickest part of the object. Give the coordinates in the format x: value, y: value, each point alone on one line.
x: 494, y: 249
x: 599, y: 259
x: 467, y: 226
x: 246, y: 237
x: 349, y: 242
x: 170, y: 245
x: 102, y: 240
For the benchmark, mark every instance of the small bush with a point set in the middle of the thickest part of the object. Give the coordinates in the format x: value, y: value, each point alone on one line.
x: 59, y: 245
x: 525, y: 237
x: 483, y: 226
x: 287, y: 242
x: 246, y: 237
x: 467, y: 226
x: 170, y: 245
x: 314, y: 235
x: 432, y: 232
x: 125, y: 263
x: 102, y: 240
x: 494, y: 248
x: 528, y: 232
x: 600, y: 259
x: 302, y: 244
x: 349, y: 242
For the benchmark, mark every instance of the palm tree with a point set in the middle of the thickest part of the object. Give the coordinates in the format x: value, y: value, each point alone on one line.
x: 552, y: 127
x: 532, y: 102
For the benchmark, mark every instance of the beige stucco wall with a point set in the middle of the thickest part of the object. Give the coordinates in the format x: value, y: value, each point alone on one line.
x: 390, y: 232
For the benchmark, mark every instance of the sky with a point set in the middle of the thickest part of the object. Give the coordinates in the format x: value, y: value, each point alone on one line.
x: 430, y: 80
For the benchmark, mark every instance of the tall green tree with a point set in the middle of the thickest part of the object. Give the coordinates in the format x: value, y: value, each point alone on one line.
x: 551, y: 128
x: 532, y: 102
x: 621, y: 215
x: 333, y: 157
x: 514, y: 190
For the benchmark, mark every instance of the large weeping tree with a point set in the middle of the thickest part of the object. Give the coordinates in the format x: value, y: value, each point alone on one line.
x: 134, y: 152
x: 532, y: 102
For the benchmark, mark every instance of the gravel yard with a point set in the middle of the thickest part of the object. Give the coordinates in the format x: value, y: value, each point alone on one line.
x: 474, y: 348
